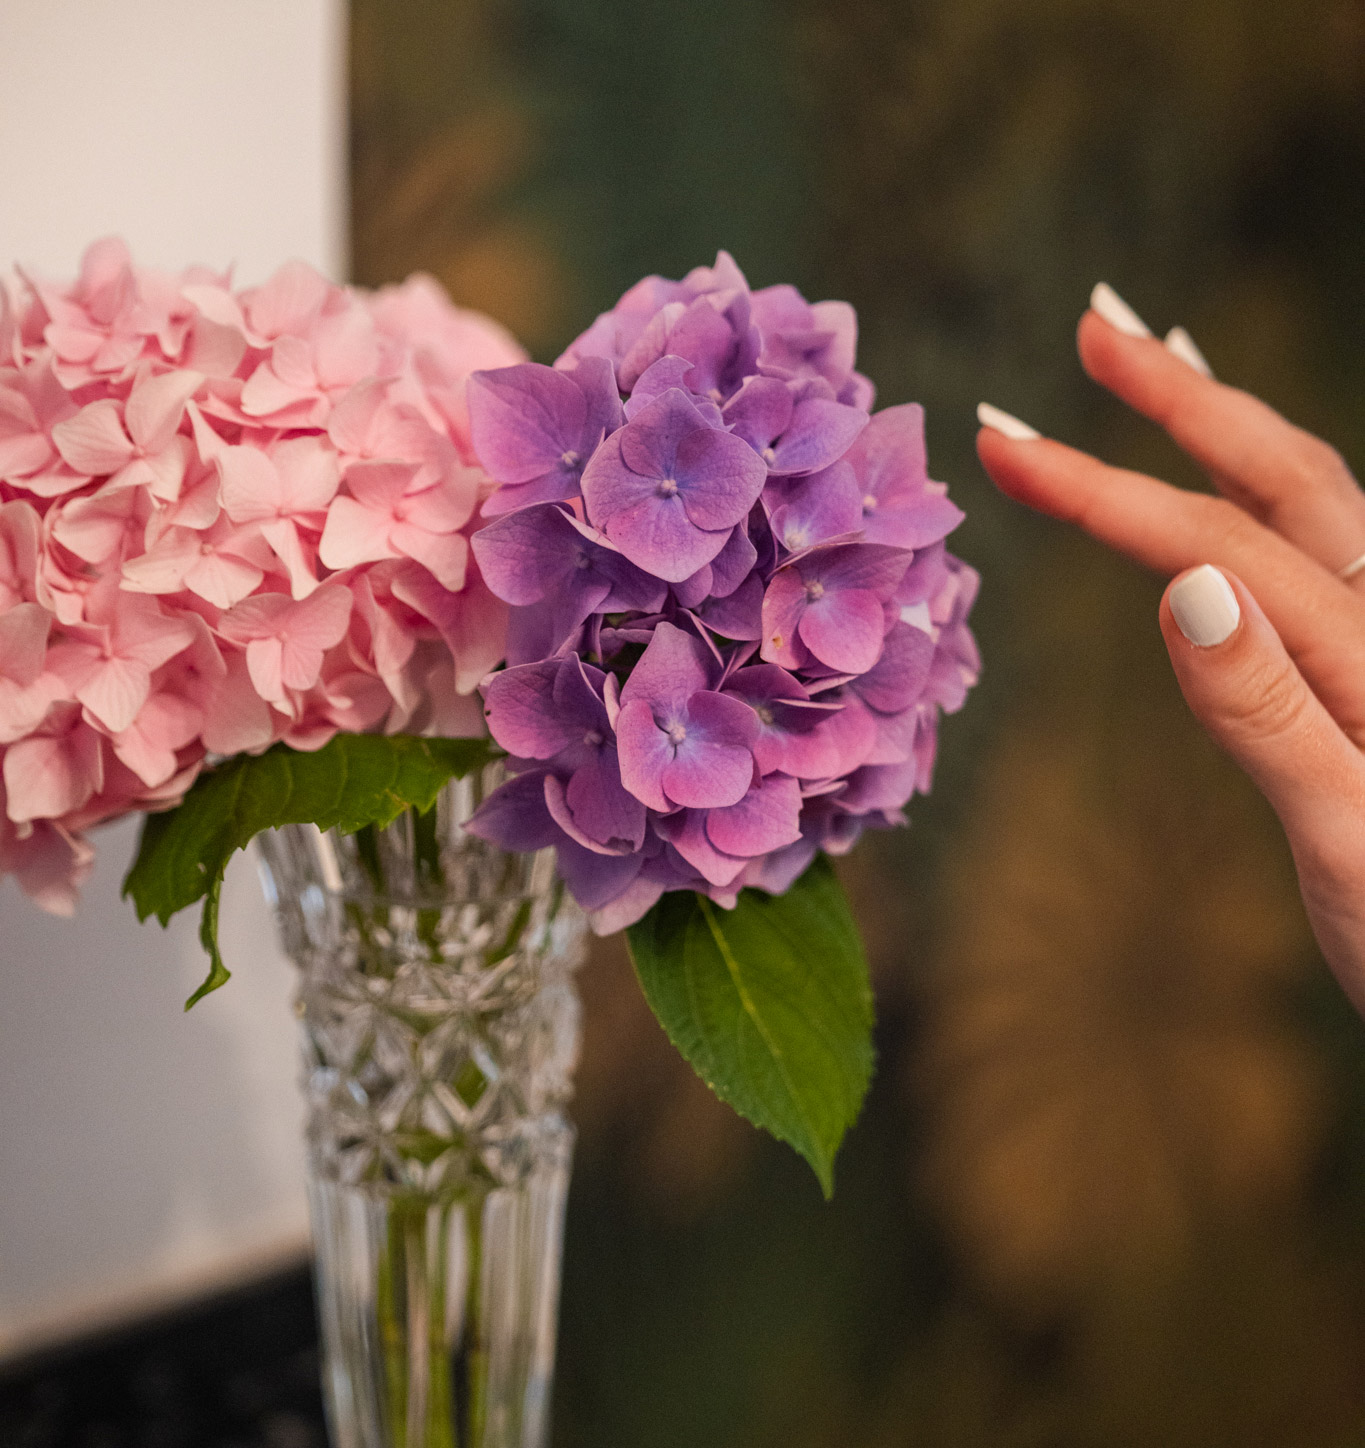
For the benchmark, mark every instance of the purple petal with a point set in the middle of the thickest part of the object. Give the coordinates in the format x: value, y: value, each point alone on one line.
x: 577, y: 695
x: 843, y: 629
x: 897, y: 735
x: 897, y: 679
x: 820, y: 433
x: 734, y: 563
x: 702, y: 775
x: 603, y: 415
x: 520, y: 707
x: 523, y: 419
x: 522, y: 556
x: 595, y: 810
x: 695, y: 589
x: 672, y: 668
x: 871, y: 566
x: 889, y: 457
x: 759, y: 412
x: 712, y: 756
x: 604, y: 809
x: 925, y: 577
x: 556, y: 486
x: 767, y: 818
x: 596, y: 880
x: 651, y: 344
x: 626, y: 908
x: 784, y: 602
x: 644, y: 752
x: 824, y: 505
x: 884, y: 787
x: 514, y: 816
x: 778, y: 872
x: 669, y: 371
x: 719, y: 478
x: 686, y: 832
x: 739, y: 615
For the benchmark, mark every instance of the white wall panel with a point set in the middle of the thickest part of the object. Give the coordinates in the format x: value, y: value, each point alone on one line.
x: 146, y: 1154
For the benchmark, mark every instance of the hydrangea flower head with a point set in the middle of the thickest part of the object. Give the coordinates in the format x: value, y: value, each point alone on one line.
x: 227, y: 517
x: 734, y: 624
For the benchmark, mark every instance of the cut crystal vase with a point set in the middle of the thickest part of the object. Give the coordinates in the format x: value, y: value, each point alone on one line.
x: 440, y: 1032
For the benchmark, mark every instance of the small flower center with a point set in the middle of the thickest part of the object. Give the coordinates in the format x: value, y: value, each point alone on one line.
x: 592, y: 739
x: 667, y: 487
x: 676, y: 733
x: 765, y: 714
x: 569, y: 459
x: 869, y: 503
x: 815, y: 590
x: 581, y: 560
x: 769, y: 455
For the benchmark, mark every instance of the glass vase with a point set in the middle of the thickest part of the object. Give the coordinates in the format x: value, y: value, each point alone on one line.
x: 440, y: 1031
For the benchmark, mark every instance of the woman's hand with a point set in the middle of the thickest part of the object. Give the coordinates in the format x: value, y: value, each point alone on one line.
x: 1268, y: 643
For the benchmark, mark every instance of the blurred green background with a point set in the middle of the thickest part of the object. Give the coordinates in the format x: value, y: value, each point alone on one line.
x: 1109, y: 1187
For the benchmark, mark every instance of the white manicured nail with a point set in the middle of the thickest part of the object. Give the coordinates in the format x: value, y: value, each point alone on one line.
x: 998, y: 421
x: 1107, y: 302
x: 1205, y: 607
x: 1180, y: 344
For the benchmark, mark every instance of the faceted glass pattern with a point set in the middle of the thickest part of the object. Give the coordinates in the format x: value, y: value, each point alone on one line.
x: 440, y: 1032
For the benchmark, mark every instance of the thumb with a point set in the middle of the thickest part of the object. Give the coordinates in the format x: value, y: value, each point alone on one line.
x: 1248, y: 693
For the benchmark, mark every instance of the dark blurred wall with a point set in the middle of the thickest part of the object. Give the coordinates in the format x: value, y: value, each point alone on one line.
x: 1110, y: 1185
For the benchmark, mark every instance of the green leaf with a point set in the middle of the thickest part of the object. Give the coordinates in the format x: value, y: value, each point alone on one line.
x: 770, y: 1002
x: 352, y: 781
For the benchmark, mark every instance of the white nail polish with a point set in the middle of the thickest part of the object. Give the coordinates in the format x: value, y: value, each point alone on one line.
x: 1002, y: 422
x: 1205, y: 607
x: 1107, y: 302
x: 1180, y: 344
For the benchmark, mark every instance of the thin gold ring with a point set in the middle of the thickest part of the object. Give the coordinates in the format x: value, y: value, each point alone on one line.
x: 1351, y: 569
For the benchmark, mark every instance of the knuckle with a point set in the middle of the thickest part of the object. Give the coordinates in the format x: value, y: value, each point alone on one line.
x: 1269, y: 702
x: 1221, y: 523
x: 1317, y: 461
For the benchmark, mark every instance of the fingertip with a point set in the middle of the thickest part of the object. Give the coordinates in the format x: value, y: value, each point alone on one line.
x: 1203, y: 605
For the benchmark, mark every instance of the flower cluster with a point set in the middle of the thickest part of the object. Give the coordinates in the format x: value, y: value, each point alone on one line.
x: 226, y: 518
x: 734, y: 620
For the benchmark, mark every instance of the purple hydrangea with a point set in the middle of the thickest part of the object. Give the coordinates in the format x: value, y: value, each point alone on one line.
x: 734, y: 621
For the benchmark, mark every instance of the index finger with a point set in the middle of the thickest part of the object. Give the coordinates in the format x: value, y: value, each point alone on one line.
x: 1320, y: 619
x: 1292, y: 481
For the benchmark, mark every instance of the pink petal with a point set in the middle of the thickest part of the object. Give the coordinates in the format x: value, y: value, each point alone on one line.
x: 309, y: 474
x: 445, y: 554
x: 221, y: 579
x: 46, y: 778
x: 156, y: 406
x: 283, y: 537
x: 93, y: 442
x: 265, y: 663
x: 380, y: 486
x: 320, y: 621
x: 251, y: 485
x: 162, y: 568
x: 345, y: 348
x: 265, y: 393
x: 288, y: 302
x: 354, y: 534
x: 23, y: 642
x: 115, y: 690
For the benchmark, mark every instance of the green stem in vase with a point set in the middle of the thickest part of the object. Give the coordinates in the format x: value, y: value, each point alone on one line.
x: 430, y: 878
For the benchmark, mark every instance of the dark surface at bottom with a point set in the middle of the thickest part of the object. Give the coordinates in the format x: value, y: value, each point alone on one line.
x: 239, y: 1371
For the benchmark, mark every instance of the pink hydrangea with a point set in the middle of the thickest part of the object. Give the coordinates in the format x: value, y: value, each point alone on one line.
x: 227, y: 517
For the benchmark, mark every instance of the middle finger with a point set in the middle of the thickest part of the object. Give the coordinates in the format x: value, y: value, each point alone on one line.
x: 1287, y: 478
